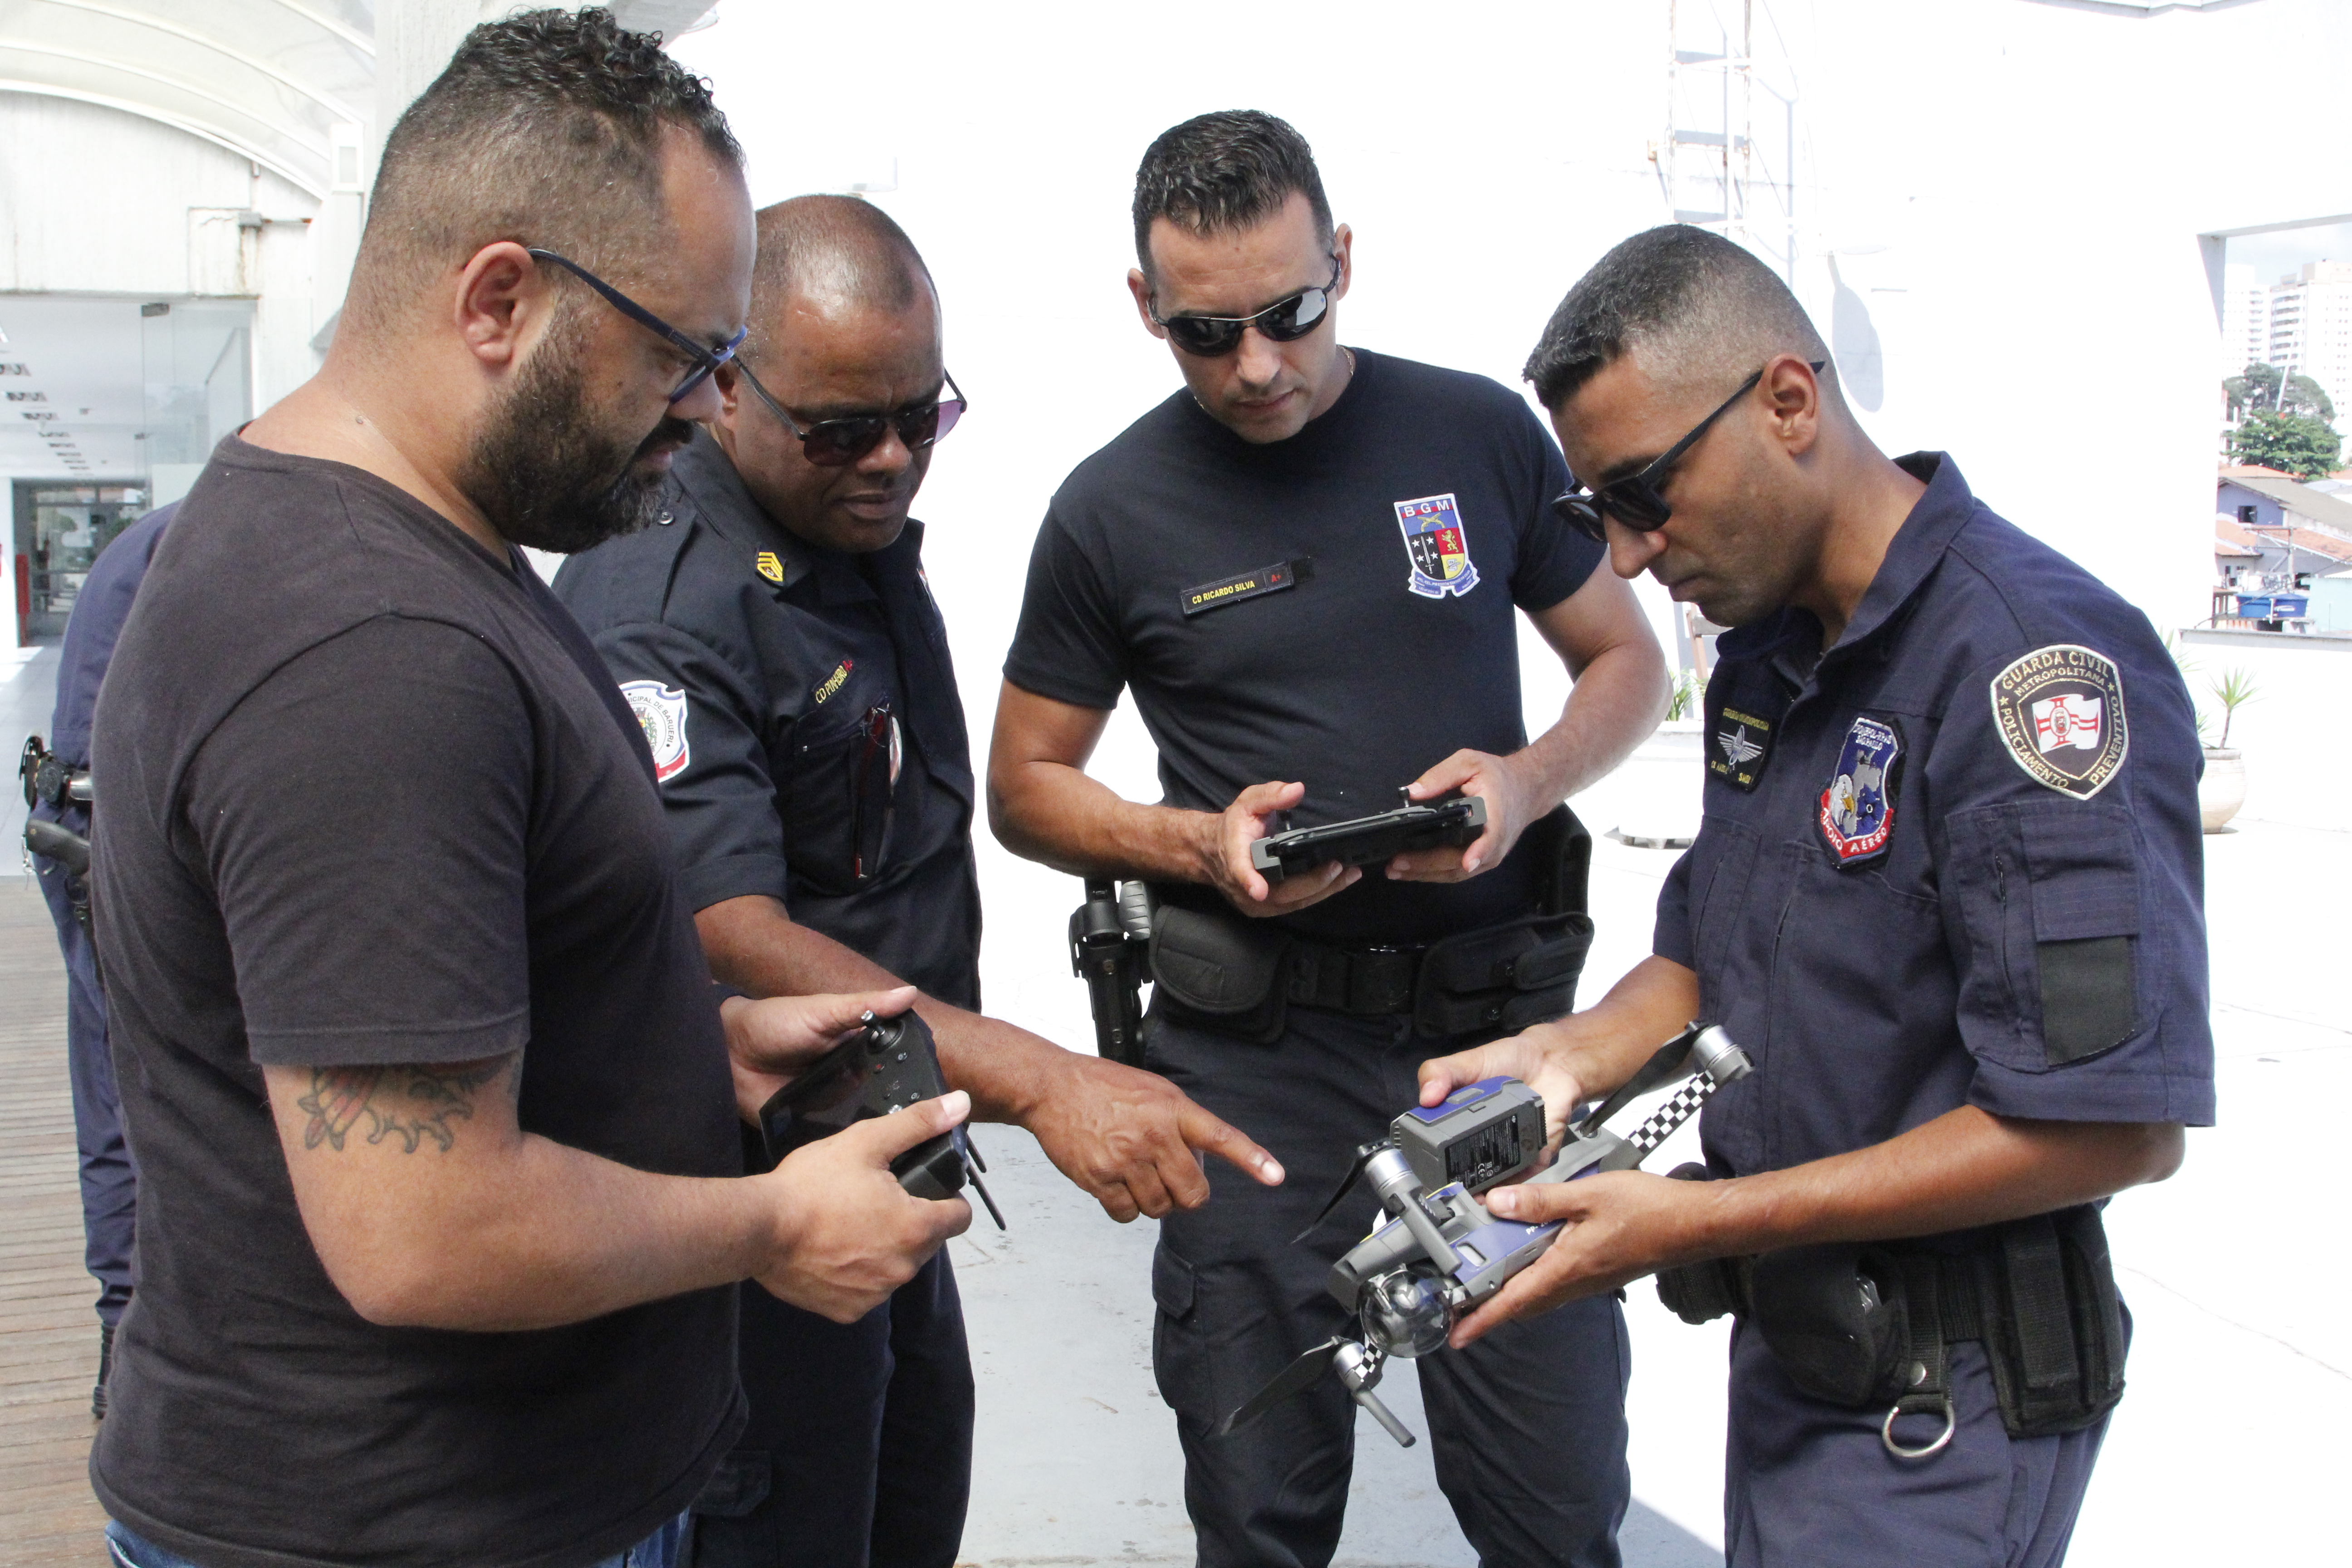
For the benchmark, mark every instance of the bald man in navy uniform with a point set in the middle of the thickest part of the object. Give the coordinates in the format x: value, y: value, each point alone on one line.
x: 778, y: 638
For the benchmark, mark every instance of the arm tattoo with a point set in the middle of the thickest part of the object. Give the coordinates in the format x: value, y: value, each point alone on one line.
x: 410, y: 1103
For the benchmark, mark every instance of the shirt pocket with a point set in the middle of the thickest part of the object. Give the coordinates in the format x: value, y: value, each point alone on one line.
x: 819, y: 802
x: 2045, y: 913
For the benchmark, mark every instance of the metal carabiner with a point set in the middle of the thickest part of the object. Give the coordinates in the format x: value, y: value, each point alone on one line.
x: 1943, y: 1438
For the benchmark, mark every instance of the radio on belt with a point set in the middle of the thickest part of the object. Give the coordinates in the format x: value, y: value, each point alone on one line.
x: 1438, y: 1253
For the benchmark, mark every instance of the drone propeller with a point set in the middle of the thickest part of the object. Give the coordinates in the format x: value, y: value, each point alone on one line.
x: 1300, y: 1375
x: 1364, y: 1153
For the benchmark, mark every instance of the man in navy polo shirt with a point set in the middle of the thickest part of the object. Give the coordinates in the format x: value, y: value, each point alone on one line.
x: 1947, y: 895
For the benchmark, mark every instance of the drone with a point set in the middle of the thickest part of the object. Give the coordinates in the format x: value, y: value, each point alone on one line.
x: 1439, y: 1253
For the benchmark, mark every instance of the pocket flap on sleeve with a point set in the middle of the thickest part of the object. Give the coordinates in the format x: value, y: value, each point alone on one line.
x: 2083, y: 864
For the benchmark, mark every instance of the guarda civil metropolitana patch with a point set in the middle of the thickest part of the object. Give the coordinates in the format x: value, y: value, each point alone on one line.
x: 661, y: 713
x: 2060, y: 711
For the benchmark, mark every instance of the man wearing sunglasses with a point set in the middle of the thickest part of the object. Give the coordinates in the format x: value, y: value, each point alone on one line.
x: 1947, y: 894
x: 1308, y: 567
x: 442, y: 1209
x: 778, y: 635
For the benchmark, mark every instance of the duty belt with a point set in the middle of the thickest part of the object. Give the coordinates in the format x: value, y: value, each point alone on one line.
x: 1370, y: 980
x: 1870, y: 1326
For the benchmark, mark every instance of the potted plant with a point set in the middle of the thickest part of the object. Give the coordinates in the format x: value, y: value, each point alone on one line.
x: 2222, y: 789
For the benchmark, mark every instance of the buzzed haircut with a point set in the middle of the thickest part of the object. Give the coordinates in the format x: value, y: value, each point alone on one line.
x: 546, y: 128
x: 1218, y: 173
x: 1695, y: 308
x: 834, y: 250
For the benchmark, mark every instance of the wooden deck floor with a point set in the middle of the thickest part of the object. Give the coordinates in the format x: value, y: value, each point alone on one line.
x: 48, y: 1336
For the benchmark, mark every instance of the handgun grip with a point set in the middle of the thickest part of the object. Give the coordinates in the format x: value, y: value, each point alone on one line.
x: 65, y: 847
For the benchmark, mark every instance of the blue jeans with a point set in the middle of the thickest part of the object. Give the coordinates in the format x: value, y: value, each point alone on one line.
x: 662, y: 1549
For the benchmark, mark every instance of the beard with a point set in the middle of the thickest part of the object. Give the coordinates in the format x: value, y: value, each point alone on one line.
x: 547, y: 476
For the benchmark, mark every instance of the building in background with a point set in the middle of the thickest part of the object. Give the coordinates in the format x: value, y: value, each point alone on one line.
x: 2245, y: 318
x: 181, y: 188
x: 2310, y: 327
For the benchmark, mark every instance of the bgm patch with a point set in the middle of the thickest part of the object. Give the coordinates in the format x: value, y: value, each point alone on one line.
x: 661, y: 714
x: 1857, y: 813
x: 1439, y: 548
x: 2060, y: 711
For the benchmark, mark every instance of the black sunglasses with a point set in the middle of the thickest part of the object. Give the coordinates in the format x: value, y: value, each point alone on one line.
x: 1285, y: 320
x: 1635, y: 500
x: 837, y: 443
x: 705, y: 358
x: 873, y: 782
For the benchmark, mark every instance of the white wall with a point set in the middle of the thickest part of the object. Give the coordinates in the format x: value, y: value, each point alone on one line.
x: 2032, y: 180
x: 98, y: 201
x: 2297, y: 746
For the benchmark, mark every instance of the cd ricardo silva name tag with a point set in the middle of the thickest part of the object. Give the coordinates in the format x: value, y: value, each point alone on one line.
x: 1233, y: 590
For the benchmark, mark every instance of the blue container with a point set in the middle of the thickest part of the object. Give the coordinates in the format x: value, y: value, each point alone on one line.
x: 2254, y: 606
x: 2290, y: 607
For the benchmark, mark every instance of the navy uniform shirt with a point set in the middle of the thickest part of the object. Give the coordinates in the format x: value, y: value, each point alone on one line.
x: 792, y: 695
x: 1954, y: 860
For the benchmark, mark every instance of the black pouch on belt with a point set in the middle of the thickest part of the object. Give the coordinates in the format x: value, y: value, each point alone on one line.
x: 1221, y: 972
x: 1837, y: 1320
x: 1870, y: 1326
x: 2052, y: 1321
x: 1503, y: 978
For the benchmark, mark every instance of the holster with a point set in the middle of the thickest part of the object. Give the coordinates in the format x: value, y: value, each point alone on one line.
x: 1217, y: 970
x: 1870, y: 1326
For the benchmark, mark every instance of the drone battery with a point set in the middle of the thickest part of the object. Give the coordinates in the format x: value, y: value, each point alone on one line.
x: 1482, y: 1133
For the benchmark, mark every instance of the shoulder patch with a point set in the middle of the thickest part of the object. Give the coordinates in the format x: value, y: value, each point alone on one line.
x: 769, y: 566
x: 1857, y: 814
x: 2060, y: 712
x: 661, y: 714
x: 1438, y: 547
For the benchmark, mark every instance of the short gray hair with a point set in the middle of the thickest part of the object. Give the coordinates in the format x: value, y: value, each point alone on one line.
x: 1692, y: 306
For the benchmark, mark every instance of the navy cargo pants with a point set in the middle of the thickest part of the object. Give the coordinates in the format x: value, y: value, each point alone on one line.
x: 108, y: 1183
x: 1808, y: 1483
x: 1527, y: 1426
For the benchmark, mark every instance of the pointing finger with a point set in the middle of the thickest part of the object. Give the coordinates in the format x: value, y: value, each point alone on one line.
x: 1213, y: 1135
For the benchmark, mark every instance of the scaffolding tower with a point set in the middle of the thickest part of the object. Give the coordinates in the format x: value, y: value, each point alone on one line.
x: 1719, y: 166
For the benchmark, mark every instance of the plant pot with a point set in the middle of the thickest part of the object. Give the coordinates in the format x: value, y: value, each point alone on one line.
x: 2222, y: 790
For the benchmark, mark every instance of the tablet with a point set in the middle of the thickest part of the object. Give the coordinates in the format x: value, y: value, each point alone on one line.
x: 1449, y: 824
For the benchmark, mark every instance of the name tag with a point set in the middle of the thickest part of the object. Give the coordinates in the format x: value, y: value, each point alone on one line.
x: 1246, y: 585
